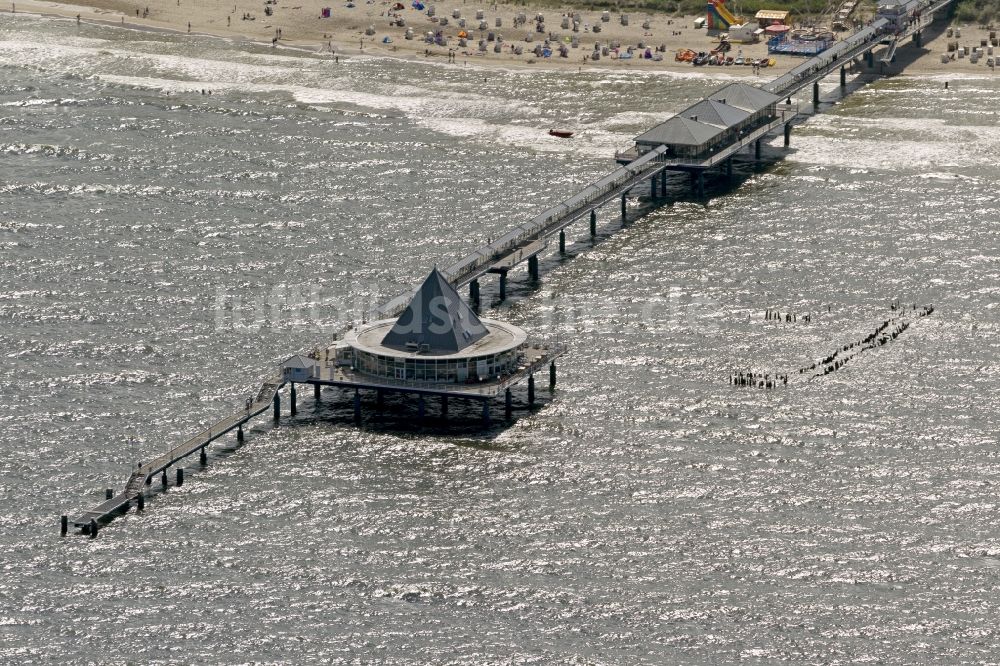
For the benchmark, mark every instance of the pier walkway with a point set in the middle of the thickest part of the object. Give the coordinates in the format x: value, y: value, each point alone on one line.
x: 525, y: 241
x: 144, y: 474
x: 522, y: 244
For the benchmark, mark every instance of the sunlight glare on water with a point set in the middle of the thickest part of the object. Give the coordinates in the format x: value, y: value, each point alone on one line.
x: 648, y: 513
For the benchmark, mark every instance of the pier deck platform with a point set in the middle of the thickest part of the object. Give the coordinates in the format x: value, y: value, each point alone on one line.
x: 536, y: 358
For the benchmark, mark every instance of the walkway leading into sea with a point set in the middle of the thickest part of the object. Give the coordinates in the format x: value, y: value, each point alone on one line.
x: 524, y: 244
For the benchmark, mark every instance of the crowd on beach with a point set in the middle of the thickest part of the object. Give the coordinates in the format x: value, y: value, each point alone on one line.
x: 886, y: 332
x: 381, y: 25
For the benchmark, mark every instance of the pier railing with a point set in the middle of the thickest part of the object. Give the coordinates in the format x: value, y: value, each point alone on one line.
x: 144, y: 473
x: 550, y: 220
x: 546, y: 352
x: 532, y: 230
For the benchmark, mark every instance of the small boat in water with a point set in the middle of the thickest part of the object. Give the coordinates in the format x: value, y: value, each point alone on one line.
x: 562, y: 134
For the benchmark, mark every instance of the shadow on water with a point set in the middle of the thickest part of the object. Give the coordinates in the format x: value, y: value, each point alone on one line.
x: 717, y: 182
x: 399, y: 414
x: 678, y: 190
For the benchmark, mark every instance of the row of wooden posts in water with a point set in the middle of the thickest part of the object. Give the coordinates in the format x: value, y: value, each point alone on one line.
x: 884, y: 333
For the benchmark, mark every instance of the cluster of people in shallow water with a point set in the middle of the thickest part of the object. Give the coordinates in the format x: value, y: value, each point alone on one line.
x: 885, y: 333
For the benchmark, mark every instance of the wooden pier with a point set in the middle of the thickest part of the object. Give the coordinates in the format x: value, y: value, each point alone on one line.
x: 143, y: 476
x: 523, y: 244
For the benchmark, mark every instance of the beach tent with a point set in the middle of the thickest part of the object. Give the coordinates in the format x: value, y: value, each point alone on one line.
x: 325, y: 13
x: 419, y: 6
x: 766, y: 17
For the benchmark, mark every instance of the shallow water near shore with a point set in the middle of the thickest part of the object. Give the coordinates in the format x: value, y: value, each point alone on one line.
x: 647, y: 513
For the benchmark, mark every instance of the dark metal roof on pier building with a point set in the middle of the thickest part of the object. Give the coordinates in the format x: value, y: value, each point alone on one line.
x: 744, y: 96
x: 718, y: 113
x: 437, y: 320
x: 731, y: 107
x: 680, y: 131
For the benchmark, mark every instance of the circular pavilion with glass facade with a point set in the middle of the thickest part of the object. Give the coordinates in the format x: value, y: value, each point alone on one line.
x: 437, y: 339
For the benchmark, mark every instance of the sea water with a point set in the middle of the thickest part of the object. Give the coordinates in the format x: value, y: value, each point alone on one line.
x: 162, y: 250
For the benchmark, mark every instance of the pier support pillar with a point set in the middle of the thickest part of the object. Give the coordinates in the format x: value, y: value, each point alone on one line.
x: 277, y: 407
x: 531, y: 390
x: 109, y: 493
x: 93, y: 528
x: 562, y: 241
x: 63, y: 525
x: 474, y: 293
x: 421, y: 407
x: 316, y: 392
x: 756, y: 149
x: 140, y: 502
x: 729, y: 167
x: 163, y: 479
x: 698, y: 183
x: 486, y: 412
x: 843, y: 76
x: 508, y: 404
x: 816, y: 94
x: 593, y: 218
x: 444, y: 406
x: 663, y: 183
x: 917, y: 39
x: 552, y: 375
x: 379, y: 400
x: 357, y: 406
x: 149, y: 480
x: 292, y: 404
x: 652, y: 187
x: 503, y: 286
x: 239, y: 434
x: 624, y: 210
x: 533, y: 267
x: 870, y: 59
x: 788, y: 134
x: 180, y: 477
x: 203, y: 457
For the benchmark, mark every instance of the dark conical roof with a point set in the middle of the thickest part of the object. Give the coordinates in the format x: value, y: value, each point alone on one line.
x: 436, y: 317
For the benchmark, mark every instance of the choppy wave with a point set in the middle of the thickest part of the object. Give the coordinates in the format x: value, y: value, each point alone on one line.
x: 163, y: 251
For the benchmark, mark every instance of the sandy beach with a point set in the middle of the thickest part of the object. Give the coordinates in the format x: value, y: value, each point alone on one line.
x: 379, y: 27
